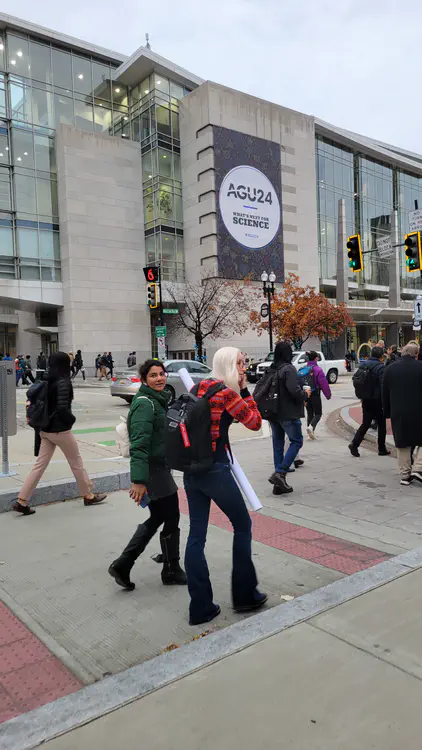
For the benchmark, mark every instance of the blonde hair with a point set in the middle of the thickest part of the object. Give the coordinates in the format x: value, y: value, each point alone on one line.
x: 224, y: 367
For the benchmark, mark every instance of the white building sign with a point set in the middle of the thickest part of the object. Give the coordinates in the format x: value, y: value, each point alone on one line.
x: 249, y: 207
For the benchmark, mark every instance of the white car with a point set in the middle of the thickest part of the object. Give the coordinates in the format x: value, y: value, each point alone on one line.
x: 332, y: 367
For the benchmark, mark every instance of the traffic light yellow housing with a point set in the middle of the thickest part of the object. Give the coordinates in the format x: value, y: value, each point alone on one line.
x: 413, y: 251
x: 355, y: 253
x: 152, y: 296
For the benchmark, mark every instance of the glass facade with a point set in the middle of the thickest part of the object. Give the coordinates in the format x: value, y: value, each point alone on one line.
x: 154, y: 121
x: 372, y: 191
x: 335, y: 180
x: 375, y: 206
x: 41, y: 86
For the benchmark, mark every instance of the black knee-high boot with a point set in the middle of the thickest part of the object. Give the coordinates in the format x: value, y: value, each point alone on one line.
x: 120, y: 568
x: 172, y: 573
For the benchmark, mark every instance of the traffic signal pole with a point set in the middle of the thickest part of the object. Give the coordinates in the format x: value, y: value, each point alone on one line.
x: 161, y: 297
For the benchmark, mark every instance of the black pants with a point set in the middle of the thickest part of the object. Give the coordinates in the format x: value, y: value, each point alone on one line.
x: 372, y: 410
x: 164, y: 510
x: 314, y: 409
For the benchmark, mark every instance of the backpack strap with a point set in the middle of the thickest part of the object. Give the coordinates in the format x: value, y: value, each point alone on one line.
x: 210, y: 392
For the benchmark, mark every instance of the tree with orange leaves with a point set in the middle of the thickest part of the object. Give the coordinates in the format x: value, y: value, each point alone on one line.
x: 299, y: 313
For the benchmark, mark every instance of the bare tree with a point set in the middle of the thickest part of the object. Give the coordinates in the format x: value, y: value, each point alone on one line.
x: 213, y: 308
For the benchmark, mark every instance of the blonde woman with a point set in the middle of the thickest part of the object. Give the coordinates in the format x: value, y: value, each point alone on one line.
x: 232, y: 402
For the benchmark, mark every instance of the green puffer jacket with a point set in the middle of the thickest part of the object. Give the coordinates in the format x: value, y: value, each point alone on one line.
x: 146, y: 420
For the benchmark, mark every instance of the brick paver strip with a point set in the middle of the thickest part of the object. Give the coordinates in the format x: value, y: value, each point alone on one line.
x: 356, y: 414
x: 29, y: 675
x: 324, y: 549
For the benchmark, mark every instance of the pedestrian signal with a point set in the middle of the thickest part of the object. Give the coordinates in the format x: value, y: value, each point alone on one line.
x: 355, y: 253
x: 152, y: 296
x: 152, y: 273
x: 413, y: 251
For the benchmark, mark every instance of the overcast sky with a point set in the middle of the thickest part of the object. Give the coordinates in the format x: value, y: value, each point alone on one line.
x: 354, y: 63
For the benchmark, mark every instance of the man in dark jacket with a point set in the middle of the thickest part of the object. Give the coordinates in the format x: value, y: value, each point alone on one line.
x: 392, y: 355
x: 291, y: 397
x: 402, y: 400
x: 372, y: 404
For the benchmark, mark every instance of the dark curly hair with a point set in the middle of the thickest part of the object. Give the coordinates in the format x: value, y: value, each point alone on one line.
x: 145, y: 367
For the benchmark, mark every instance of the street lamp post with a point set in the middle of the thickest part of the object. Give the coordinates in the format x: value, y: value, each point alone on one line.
x: 269, y: 291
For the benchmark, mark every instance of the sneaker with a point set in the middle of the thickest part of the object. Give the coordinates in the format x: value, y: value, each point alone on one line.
x: 384, y: 452
x: 95, y: 500
x: 310, y: 431
x: 259, y: 601
x: 121, y: 578
x: 416, y: 475
x: 353, y: 450
x: 214, y: 613
x: 298, y: 462
x: 406, y: 481
x: 279, y: 480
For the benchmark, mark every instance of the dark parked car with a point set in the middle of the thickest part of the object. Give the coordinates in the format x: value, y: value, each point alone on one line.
x: 251, y: 374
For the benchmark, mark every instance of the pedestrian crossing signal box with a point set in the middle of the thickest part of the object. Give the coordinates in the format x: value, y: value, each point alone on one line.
x: 355, y: 253
x: 152, y: 296
x: 413, y: 252
x: 152, y: 273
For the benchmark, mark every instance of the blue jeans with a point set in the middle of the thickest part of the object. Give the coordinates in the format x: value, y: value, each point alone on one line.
x: 293, y: 429
x: 219, y: 485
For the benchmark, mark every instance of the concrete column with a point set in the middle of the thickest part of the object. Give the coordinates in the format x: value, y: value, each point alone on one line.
x: 394, y: 265
x: 342, y: 290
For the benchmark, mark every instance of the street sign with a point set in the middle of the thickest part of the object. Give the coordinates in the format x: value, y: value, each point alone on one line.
x: 417, y: 314
x: 384, y: 246
x: 415, y: 220
x: 171, y: 310
x: 264, y: 310
x: 161, y: 343
x: 160, y: 331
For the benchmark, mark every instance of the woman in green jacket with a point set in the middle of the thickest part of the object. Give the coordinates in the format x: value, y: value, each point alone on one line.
x: 150, y: 476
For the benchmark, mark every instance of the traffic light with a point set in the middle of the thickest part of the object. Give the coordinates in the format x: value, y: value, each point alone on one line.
x: 413, y: 251
x: 152, y: 295
x: 152, y: 273
x: 355, y: 253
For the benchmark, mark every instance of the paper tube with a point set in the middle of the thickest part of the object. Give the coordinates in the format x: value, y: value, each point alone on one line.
x: 237, y: 470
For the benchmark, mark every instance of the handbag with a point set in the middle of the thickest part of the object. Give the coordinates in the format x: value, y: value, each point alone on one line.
x: 123, y: 437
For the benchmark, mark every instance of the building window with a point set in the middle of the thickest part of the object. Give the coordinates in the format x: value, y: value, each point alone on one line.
x: 18, y: 56
x: 62, y: 69
x: 40, y: 62
x: 335, y: 180
x: 166, y: 249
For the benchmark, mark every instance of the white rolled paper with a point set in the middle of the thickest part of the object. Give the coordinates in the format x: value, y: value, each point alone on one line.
x: 237, y: 470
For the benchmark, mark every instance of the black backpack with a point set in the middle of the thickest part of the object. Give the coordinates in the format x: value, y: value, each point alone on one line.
x: 363, y: 383
x: 187, y: 438
x: 266, y: 395
x: 37, y: 415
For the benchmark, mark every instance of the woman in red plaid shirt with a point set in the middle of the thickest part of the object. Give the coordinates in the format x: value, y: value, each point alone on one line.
x: 234, y: 402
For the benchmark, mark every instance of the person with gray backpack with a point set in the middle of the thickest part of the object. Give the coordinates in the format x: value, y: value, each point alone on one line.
x: 367, y: 381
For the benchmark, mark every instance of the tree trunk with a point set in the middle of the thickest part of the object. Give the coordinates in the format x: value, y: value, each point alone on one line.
x: 199, y: 345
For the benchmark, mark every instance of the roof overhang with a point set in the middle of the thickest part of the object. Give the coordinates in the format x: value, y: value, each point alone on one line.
x: 144, y: 61
x: 63, y: 40
x: 393, y: 155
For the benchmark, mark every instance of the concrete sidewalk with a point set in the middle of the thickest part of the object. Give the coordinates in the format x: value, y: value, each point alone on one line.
x: 338, y: 669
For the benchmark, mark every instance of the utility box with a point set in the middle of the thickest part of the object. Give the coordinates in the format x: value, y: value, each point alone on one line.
x: 8, y: 421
